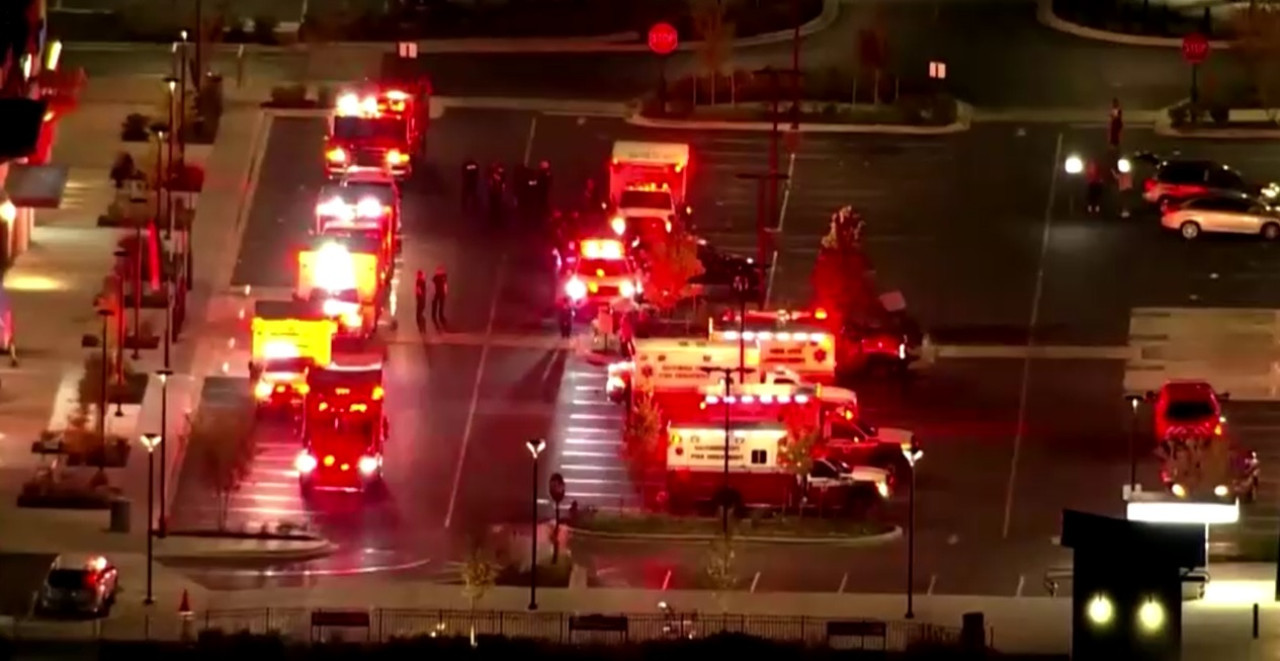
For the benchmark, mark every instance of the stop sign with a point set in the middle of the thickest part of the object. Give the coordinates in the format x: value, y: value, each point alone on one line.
x: 557, y: 487
x: 663, y: 38
x: 1195, y: 48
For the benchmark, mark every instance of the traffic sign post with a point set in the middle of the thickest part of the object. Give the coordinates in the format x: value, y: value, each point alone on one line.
x: 556, y: 487
x: 1195, y: 50
x: 663, y: 41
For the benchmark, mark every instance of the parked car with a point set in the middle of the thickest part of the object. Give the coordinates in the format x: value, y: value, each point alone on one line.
x: 1223, y: 214
x: 76, y: 589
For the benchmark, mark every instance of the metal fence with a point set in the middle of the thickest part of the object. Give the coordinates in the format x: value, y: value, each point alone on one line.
x: 301, y: 625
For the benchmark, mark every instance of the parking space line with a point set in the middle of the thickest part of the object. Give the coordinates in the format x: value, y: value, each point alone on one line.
x: 528, y: 143
x: 754, y: 582
x: 933, y: 582
x: 1022, y: 583
x: 666, y: 581
x: 844, y: 581
x: 782, y: 219
x: 1036, y: 298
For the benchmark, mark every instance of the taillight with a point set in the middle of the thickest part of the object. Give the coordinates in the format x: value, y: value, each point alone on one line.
x: 1149, y: 185
x: 378, y: 393
x: 305, y: 463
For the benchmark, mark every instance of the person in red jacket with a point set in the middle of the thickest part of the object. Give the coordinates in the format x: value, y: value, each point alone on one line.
x: 1093, y: 190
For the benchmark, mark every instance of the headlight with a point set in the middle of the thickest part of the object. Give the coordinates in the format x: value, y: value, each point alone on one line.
x: 369, y: 465
x: 627, y: 289
x: 1124, y: 166
x: 619, y: 225
x: 396, y: 157
x: 1179, y: 490
x: 882, y: 488
x: 1271, y: 190
x: 615, y: 384
x: 1221, y: 491
x: 305, y: 463
x: 337, y: 155
x: 263, y: 390
x: 333, y: 308
x: 352, y: 320
x: 576, y: 289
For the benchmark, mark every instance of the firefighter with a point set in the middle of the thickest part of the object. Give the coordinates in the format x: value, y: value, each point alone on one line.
x: 1093, y: 187
x: 470, y: 184
x: 440, y: 290
x: 420, y: 299
x: 497, y: 189
x: 1122, y: 171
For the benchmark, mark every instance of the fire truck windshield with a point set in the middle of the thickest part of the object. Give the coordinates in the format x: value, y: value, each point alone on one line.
x: 603, y: 268
x: 368, y: 128
x: 644, y: 199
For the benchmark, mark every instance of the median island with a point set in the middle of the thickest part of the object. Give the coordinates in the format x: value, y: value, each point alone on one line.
x: 781, y: 528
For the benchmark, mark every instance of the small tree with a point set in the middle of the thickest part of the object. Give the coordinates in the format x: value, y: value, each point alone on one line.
x: 1199, y: 464
x: 479, y: 574
x: 224, y: 441
x: 710, y: 20
x: 796, y: 452
x: 642, y: 438
x: 671, y: 263
x: 722, y: 568
x: 842, y: 284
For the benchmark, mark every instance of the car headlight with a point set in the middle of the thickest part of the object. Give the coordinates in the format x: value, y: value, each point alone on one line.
x: 1179, y: 490
x: 1124, y: 166
x: 1271, y: 190
x: 1221, y: 491
x: 352, y: 320
x: 333, y: 308
x: 337, y: 155
x: 619, y: 225
x: 369, y: 465
x: 576, y: 289
x: 627, y: 289
x: 305, y: 463
x: 882, y: 488
x: 263, y: 390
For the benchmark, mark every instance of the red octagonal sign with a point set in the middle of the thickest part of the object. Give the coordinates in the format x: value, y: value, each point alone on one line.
x: 1195, y: 48
x: 663, y: 38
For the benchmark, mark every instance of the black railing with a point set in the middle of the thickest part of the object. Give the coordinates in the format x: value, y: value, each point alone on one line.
x: 384, y: 624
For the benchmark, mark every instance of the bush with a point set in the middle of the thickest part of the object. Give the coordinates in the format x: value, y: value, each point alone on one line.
x: 1220, y: 114
x: 264, y: 29
x: 135, y: 128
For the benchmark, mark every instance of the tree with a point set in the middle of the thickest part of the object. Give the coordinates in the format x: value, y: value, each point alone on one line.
x: 1199, y: 464
x: 722, y: 568
x: 1257, y: 30
x: 842, y: 284
x: 643, y: 444
x: 672, y: 261
x: 223, y: 440
x: 796, y: 452
x: 716, y: 35
x: 479, y: 573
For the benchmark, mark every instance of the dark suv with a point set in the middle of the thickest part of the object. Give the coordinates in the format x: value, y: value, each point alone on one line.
x: 1182, y: 179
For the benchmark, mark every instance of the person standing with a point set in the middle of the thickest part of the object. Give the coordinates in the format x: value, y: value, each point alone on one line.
x: 1093, y: 187
x: 420, y: 299
x: 1115, y: 124
x: 440, y: 285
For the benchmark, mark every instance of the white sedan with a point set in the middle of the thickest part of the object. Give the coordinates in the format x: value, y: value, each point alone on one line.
x: 1224, y: 214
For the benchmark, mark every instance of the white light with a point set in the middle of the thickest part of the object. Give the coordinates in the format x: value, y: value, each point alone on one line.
x: 1124, y: 166
x: 1179, y: 490
x: 576, y: 289
x: 1151, y: 615
x: 334, y: 268
x: 882, y: 488
x: 348, y: 104
x: 263, y: 389
x: 368, y: 465
x: 1221, y: 491
x: 8, y: 212
x: 1100, y: 610
x: 1183, y: 512
x: 280, y: 349
x: 305, y: 463
x: 627, y: 290
x: 619, y: 225
x: 369, y: 208
x: 1073, y: 165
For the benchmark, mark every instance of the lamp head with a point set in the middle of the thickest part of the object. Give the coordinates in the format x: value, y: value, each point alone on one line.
x: 535, y: 446
x: 150, y: 441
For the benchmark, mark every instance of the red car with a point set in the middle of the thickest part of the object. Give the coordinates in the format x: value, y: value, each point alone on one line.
x: 1187, y: 408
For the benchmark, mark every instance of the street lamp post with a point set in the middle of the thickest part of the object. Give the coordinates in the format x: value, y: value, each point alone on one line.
x: 725, y: 501
x: 171, y: 84
x: 126, y: 267
x: 1134, y: 402
x: 762, y: 225
x: 741, y: 287
x: 535, y: 446
x: 182, y: 97
x: 162, y: 529
x: 105, y: 313
x: 912, y: 453
x: 150, y: 441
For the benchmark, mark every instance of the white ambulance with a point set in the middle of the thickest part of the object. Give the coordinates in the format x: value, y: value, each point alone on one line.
x: 682, y: 366
x: 648, y: 182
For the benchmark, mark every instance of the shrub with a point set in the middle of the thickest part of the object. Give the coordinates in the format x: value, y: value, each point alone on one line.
x: 134, y: 128
x: 1220, y: 114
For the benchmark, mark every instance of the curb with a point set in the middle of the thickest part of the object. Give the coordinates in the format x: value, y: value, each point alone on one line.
x: 868, y: 540
x: 1046, y: 17
x: 964, y: 119
x: 251, y: 556
x: 609, y: 43
x: 1163, y: 126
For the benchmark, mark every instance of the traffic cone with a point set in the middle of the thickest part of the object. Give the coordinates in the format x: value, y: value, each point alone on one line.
x: 184, y: 608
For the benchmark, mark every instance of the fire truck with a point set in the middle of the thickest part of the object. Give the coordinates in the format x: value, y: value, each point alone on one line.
x: 361, y: 185
x: 758, y: 473
x: 343, y: 430
x: 379, y: 128
x: 647, y: 185
x: 345, y: 278
x: 360, y: 210
x: 600, y: 274
x: 675, y: 370
x: 289, y: 339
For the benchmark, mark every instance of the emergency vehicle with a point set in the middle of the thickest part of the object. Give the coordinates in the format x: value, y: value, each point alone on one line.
x: 344, y: 277
x: 355, y: 209
x: 599, y: 275
x: 289, y: 339
x: 344, y: 429
x: 678, y: 368
x: 647, y: 185
x: 758, y: 473
x: 362, y: 184
x: 383, y: 129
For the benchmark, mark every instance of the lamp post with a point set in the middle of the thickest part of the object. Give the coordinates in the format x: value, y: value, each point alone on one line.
x: 150, y: 441
x: 171, y: 84
x: 728, y: 433
x: 535, y: 446
x: 742, y: 287
x: 1134, y: 402
x: 105, y: 313
x: 182, y: 97
x: 763, y: 226
x: 122, y: 258
x: 162, y: 528
x: 912, y: 453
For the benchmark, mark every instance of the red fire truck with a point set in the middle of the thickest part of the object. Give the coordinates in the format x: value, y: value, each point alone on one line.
x: 376, y: 127
x: 343, y: 429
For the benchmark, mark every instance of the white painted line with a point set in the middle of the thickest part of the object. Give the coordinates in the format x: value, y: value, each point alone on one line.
x: 593, y: 416
x: 588, y: 388
x: 591, y: 468
x: 266, y: 497
x: 1034, y: 321
x: 584, y: 480
x: 1022, y: 583
x: 591, y: 441
x: 269, y: 511
x: 528, y: 142
x: 666, y: 581
x: 1024, y: 352
x: 591, y: 430
x: 594, y: 494
x: 268, y: 484
x: 933, y: 581
x: 782, y: 219
x: 754, y: 582
x: 844, y: 581
x: 592, y: 402
x: 475, y: 390
x: 590, y: 376
x: 584, y: 453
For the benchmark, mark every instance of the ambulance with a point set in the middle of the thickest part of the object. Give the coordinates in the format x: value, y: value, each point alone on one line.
x: 599, y: 275
x: 381, y: 128
x: 356, y: 210
x: 799, y: 341
x: 289, y: 339
x: 647, y: 186
x: 675, y: 370
x: 759, y: 475
x: 344, y: 279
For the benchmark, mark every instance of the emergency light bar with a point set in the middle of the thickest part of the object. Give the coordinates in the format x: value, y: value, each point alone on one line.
x: 602, y: 249
x: 781, y: 336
